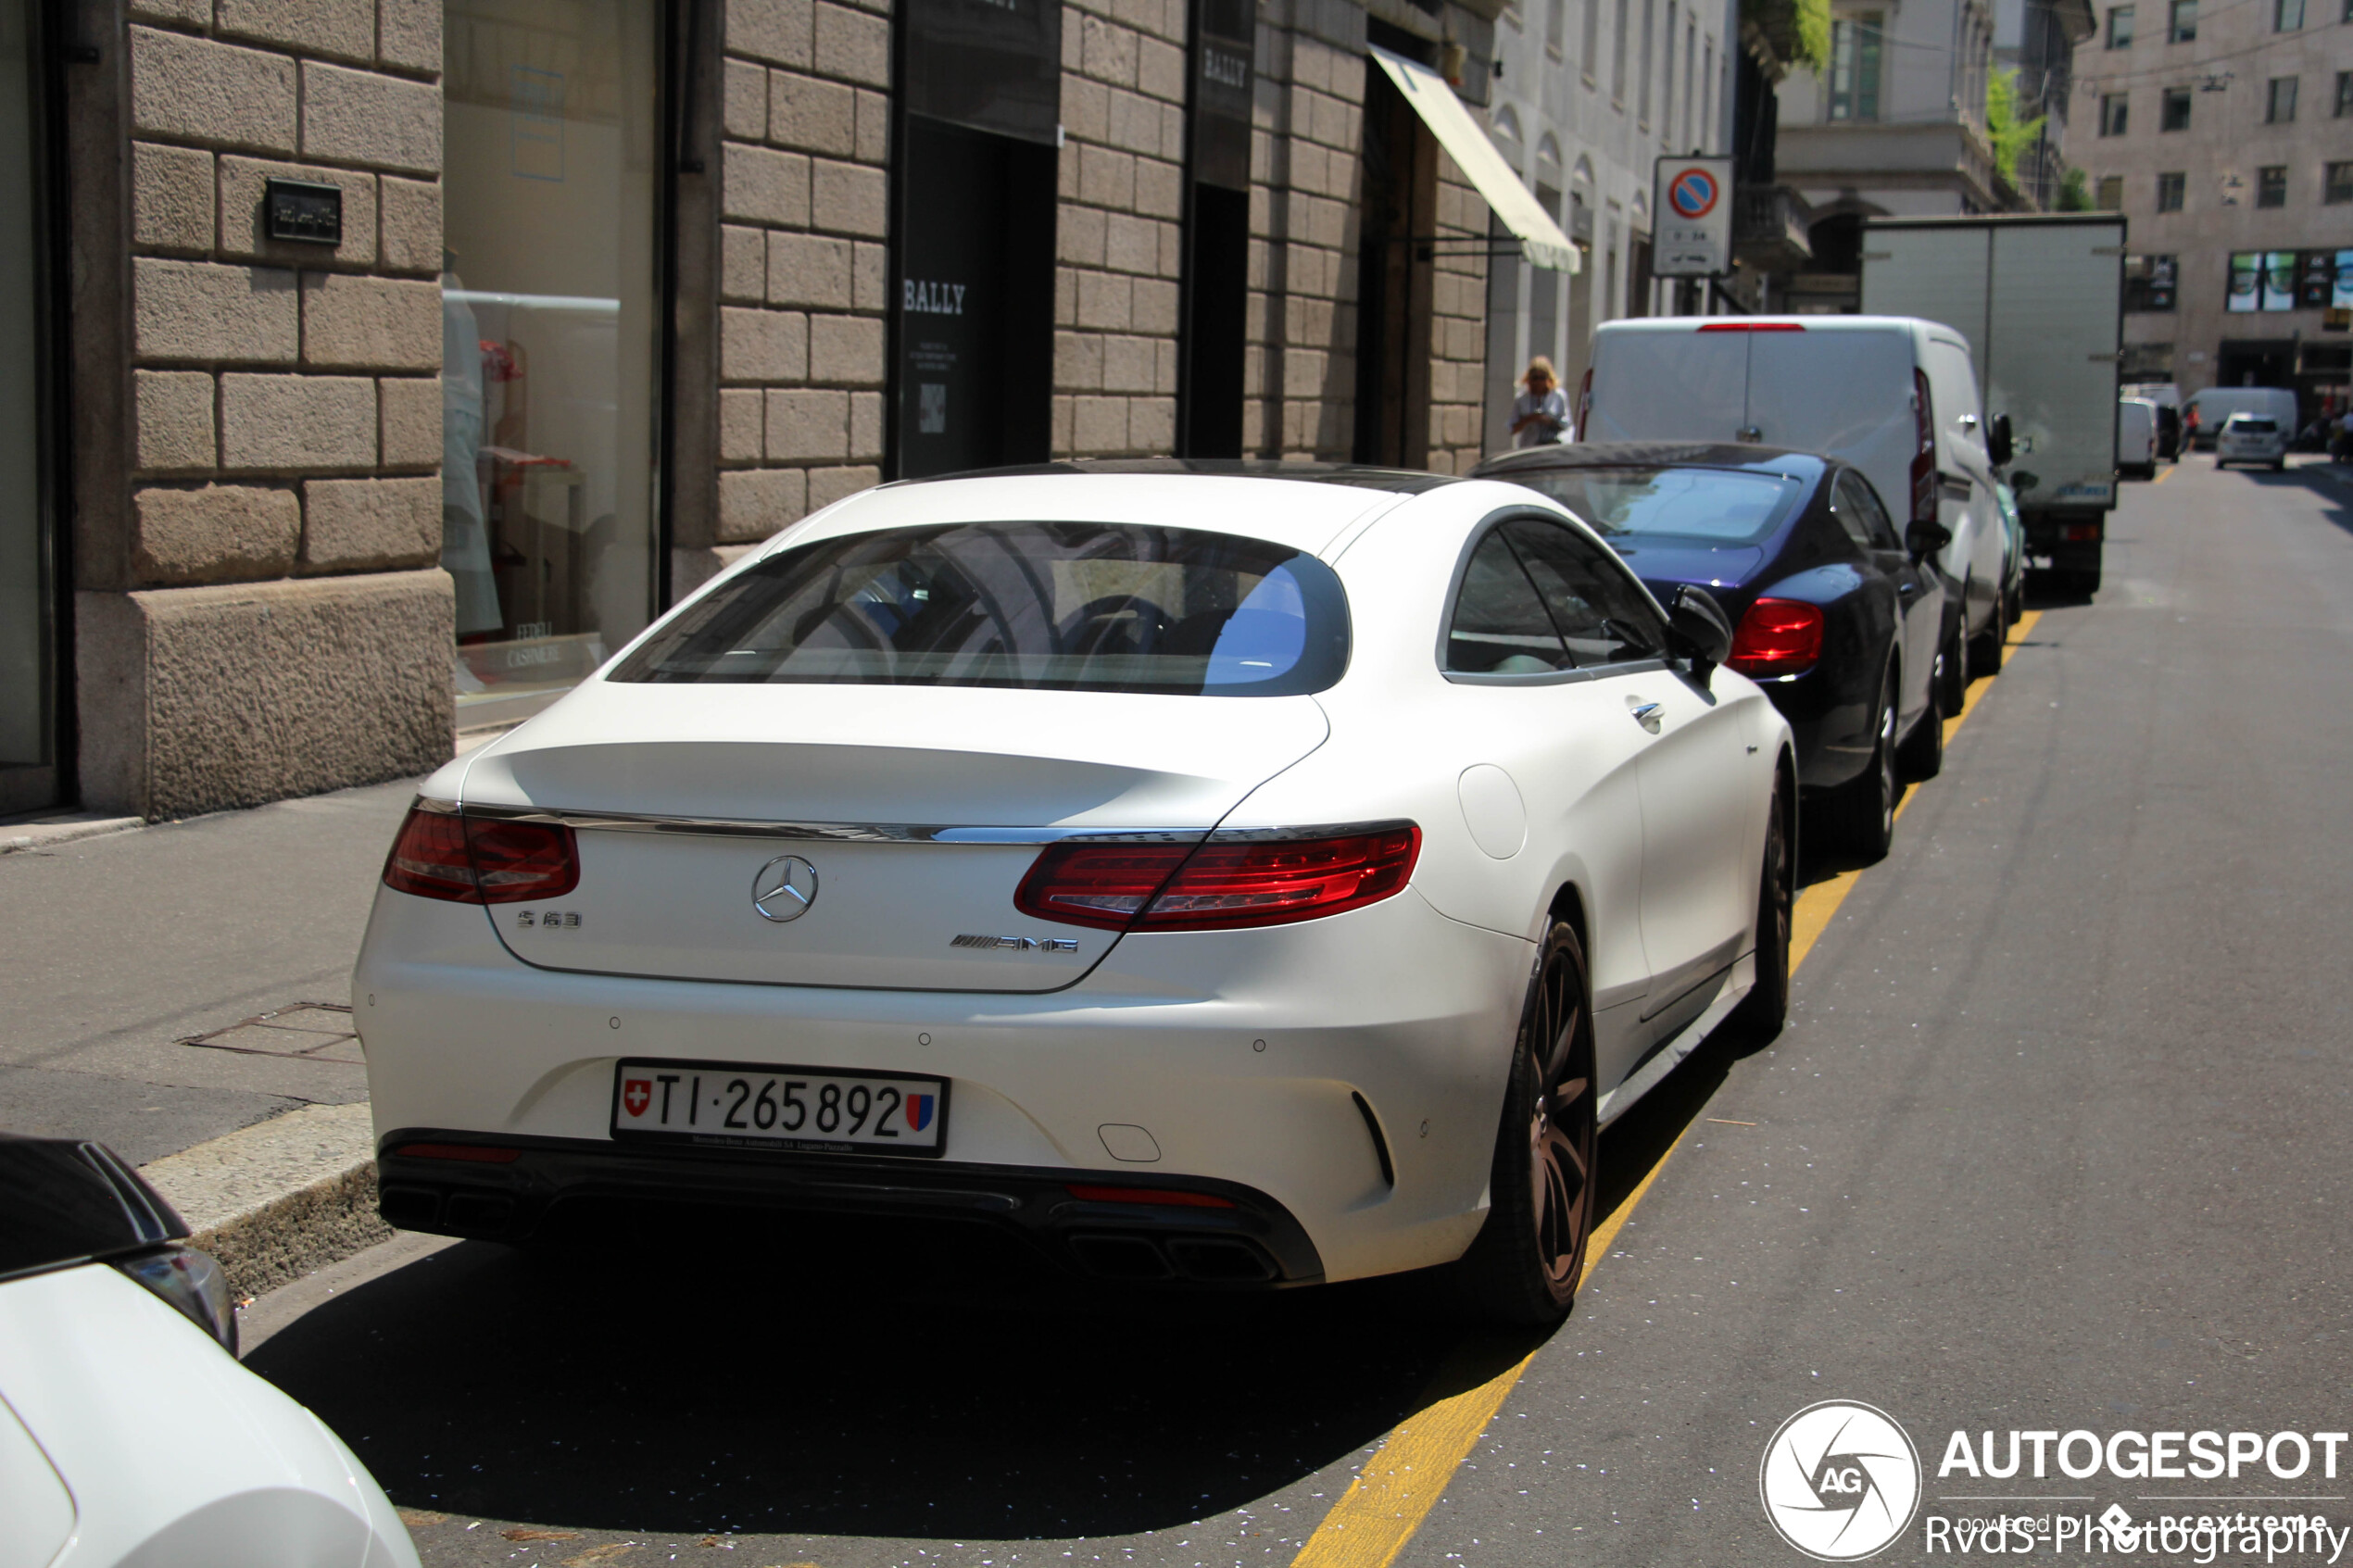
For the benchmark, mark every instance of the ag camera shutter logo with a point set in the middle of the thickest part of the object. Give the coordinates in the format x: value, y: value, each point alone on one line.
x: 1840, y: 1481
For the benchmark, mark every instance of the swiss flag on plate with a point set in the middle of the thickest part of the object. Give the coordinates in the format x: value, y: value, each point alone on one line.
x: 637, y: 1093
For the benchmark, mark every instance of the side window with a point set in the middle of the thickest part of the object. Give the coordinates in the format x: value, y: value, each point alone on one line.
x: 1883, y: 534
x: 1601, y: 612
x: 1498, y: 626
x: 1860, y: 514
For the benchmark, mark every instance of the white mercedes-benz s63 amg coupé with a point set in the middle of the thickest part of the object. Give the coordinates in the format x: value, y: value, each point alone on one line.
x: 1242, y: 874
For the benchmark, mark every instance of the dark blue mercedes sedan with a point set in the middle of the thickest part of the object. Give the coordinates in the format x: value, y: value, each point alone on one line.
x: 1837, y: 614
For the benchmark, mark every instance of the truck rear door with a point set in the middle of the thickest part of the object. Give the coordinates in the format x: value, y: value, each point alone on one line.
x: 2049, y: 358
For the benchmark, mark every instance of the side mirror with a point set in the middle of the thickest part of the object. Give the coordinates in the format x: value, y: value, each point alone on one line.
x: 1926, y: 537
x: 1696, y: 628
x: 1998, y: 446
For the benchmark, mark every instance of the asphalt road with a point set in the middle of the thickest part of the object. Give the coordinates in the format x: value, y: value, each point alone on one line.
x: 2056, y: 1139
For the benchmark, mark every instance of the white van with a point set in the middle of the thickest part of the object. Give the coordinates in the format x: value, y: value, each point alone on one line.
x: 2136, y: 437
x: 1892, y: 395
x: 2217, y: 404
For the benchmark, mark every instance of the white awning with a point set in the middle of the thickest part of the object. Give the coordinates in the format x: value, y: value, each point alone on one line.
x: 1466, y: 141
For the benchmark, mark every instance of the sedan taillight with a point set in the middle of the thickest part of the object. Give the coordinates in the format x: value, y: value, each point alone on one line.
x: 1217, y: 886
x: 1777, y: 637
x: 475, y: 860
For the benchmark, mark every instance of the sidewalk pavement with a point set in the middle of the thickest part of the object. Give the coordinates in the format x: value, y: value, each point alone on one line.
x: 181, y: 993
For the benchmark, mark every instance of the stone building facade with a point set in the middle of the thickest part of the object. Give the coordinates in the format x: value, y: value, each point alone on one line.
x: 615, y: 292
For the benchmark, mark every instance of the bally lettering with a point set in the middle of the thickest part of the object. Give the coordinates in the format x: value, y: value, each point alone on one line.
x: 1232, y: 70
x: 934, y: 299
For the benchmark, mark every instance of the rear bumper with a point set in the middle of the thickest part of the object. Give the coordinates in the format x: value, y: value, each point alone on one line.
x: 1229, y: 1235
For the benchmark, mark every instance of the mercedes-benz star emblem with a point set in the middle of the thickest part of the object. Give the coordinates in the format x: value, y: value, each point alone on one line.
x: 784, y: 888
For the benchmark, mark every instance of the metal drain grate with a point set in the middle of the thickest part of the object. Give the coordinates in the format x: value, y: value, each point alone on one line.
x: 309, y: 1030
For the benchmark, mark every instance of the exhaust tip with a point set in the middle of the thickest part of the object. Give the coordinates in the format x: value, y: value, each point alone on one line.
x: 1220, y: 1259
x: 1120, y: 1256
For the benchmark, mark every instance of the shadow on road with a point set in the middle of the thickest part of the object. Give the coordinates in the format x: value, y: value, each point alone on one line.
x: 2326, y: 482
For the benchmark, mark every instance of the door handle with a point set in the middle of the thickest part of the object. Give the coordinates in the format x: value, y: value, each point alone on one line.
x: 1646, y: 715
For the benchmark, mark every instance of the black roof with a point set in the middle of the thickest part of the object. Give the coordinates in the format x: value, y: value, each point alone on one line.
x: 1401, y: 482
x: 1654, y: 454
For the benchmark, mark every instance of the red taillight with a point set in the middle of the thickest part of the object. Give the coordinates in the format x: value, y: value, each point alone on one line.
x: 1777, y: 637
x: 472, y: 861
x: 1584, y: 404
x: 1924, y: 457
x: 1167, y: 1197
x: 1217, y: 886
x: 1753, y: 327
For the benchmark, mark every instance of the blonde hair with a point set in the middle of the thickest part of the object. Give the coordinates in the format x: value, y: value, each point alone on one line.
x: 1539, y: 363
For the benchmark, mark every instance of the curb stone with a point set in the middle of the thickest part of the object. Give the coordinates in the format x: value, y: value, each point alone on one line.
x: 280, y: 1199
x: 64, y: 830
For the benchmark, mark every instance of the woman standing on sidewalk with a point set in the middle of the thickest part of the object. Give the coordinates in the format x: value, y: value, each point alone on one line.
x: 1541, y: 412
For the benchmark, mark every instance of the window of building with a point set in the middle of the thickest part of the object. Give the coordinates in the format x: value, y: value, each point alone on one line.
x: 2173, y: 110
x: 1666, y: 82
x: 2279, y: 103
x: 1854, y: 66
x: 1650, y: 34
x: 2287, y: 16
x: 2110, y: 197
x: 2270, y: 186
x: 2171, y: 188
x: 1691, y: 54
x: 2181, y: 21
x: 2119, y: 27
x: 550, y: 338
x: 1555, y: 27
x: 1621, y: 36
x: 2112, y: 114
x: 1589, y: 61
x: 29, y: 661
x: 2150, y: 285
x: 2344, y: 94
x: 2336, y: 183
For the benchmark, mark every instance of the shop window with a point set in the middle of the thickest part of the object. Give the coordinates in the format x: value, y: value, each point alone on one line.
x: 2113, y: 109
x: 2336, y: 183
x: 2173, y: 114
x: 2110, y: 194
x: 2181, y: 21
x: 2150, y: 284
x: 2270, y: 186
x: 551, y: 136
x: 2119, y: 27
x: 2279, y: 101
x: 28, y: 624
x: 2170, y: 189
x: 1854, y: 66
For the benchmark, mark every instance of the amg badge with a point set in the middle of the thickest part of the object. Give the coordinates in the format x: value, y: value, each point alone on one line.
x: 1020, y: 944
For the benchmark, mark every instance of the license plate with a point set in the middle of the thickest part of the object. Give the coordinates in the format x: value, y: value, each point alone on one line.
x: 808, y: 1110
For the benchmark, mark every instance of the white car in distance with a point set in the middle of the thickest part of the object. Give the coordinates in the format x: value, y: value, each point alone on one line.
x: 2251, y: 438
x: 1247, y: 878
x: 128, y: 1434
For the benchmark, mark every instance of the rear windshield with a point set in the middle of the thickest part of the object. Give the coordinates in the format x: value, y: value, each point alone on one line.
x: 2248, y: 425
x: 1704, y: 505
x: 1048, y: 606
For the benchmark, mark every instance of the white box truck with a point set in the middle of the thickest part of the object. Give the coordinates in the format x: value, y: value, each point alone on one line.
x: 2041, y: 300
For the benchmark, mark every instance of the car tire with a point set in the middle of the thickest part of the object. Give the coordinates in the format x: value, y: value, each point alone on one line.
x: 1766, y: 1008
x: 1863, y: 812
x: 1523, y: 1269
x: 2279, y: 465
x: 1923, y: 756
x: 1953, y: 666
x: 1985, y: 649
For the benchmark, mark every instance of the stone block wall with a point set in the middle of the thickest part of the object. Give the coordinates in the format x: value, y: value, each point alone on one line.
x: 804, y: 214
x: 259, y: 421
x: 1120, y: 235
x: 1458, y: 326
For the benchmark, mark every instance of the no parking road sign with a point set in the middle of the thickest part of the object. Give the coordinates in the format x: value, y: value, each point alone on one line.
x: 1692, y: 209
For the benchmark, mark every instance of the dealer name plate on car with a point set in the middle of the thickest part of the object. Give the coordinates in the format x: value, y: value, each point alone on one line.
x: 808, y: 1110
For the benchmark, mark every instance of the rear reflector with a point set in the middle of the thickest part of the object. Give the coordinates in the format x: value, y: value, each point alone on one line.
x: 1777, y: 637
x: 1165, y: 1196
x: 477, y: 1153
x: 1217, y: 886
x: 1752, y: 327
x: 471, y: 860
x: 2082, y: 533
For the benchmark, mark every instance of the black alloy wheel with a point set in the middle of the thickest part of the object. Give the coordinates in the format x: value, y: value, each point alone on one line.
x: 1523, y: 1269
x: 1864, y: 811
x: 1923, y: 756
x: 1766, y: 1008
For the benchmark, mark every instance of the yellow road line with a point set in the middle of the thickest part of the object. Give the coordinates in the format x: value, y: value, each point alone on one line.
x: 2164, y: 475
x: 1395, y: 1489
